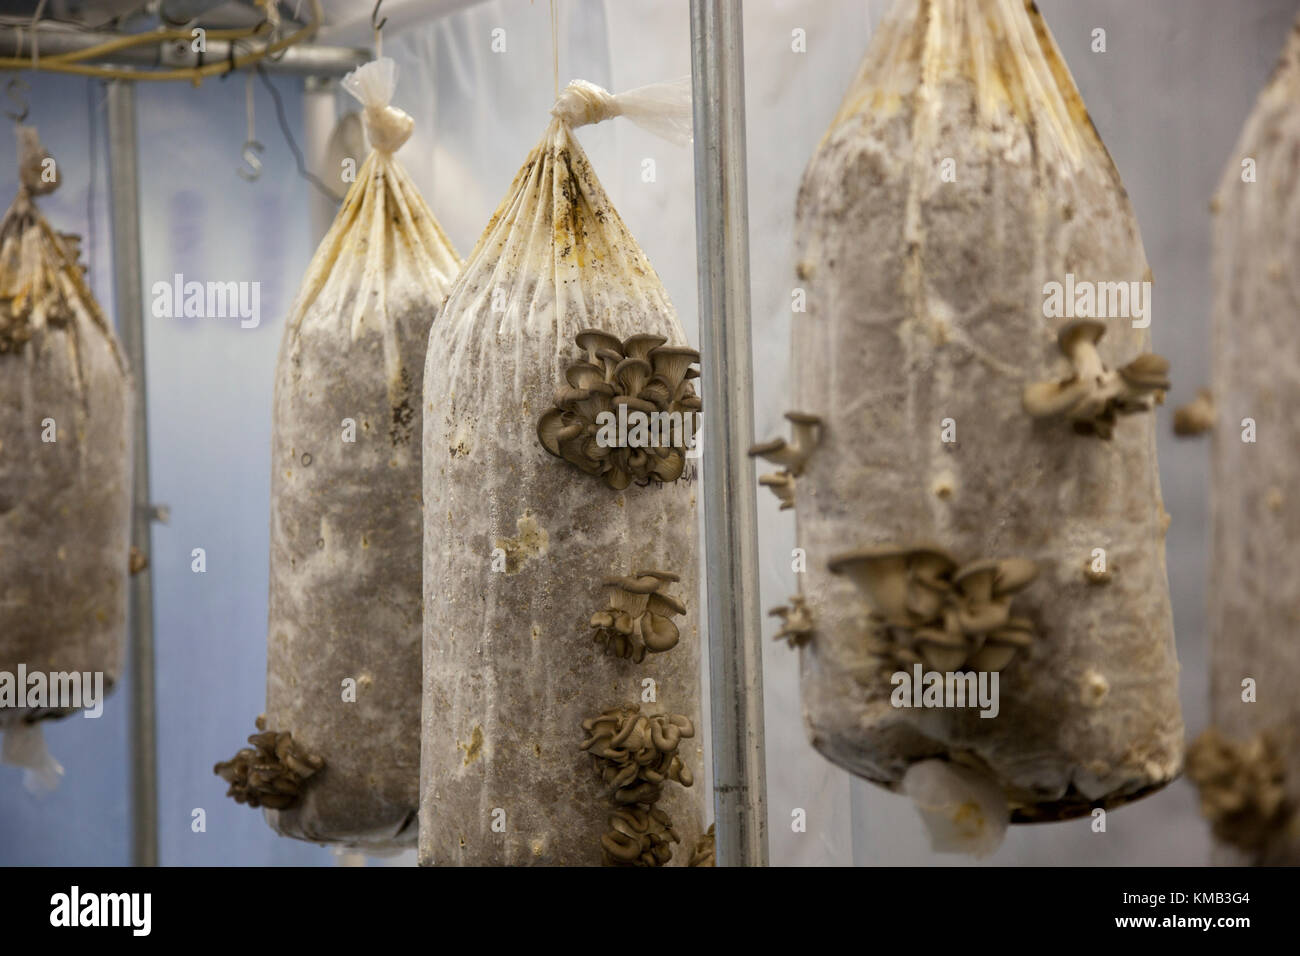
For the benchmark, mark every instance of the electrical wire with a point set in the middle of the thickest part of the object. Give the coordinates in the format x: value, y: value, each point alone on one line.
x: 283, y: 119
x: 73, y: 62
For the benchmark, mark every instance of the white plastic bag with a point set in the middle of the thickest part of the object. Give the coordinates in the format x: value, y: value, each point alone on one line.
x: 343, y: 645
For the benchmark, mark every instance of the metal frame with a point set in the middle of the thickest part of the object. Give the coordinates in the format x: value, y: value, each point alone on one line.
x: 730, y: 498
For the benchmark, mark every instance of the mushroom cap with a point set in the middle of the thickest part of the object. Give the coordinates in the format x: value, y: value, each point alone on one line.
x: 880, y: 572
x: 584, y: 374
x: 633, y: 373
x: 803, y: 418
x: 668, y: 467
x: 659, y: 632
x: 982, y: 617
x: 642, y: 344
x: 992, y: 657
x: 665, y: 605
x: 1014, y: 574
x: 596, y: 340
x: 972, y: 574
x: 1078, y: 331
x: 764, y: 448
x: 673, y: 362
x: 1017, y: 632
x: 549, y: 427
x: 667, y: 576
x: 1148, y: 371
x: 635, y: 404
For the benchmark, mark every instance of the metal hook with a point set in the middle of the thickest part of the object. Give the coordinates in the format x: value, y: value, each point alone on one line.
x: 12, y: 88
x: 375, y: 22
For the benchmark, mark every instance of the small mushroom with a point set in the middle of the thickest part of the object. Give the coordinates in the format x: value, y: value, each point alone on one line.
x: 640, y: 346
x: 796, y: 622
x: 1093, y: 396
x: 705, y: 849
x: 271, y: 773
x: 1196, y: 417
x: 594, y: 341
x: 782, y: 485
x: 792, y: 457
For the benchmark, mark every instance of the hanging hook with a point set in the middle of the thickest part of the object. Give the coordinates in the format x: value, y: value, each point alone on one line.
x: 377, y: 29
x: 12, y: 88
x: 252, y: 148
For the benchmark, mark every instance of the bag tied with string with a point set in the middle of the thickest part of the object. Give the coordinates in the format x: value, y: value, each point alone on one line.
x: 560, y: 567
x: 65, y: 477
x: 336, y: 759
x: 984, y: 503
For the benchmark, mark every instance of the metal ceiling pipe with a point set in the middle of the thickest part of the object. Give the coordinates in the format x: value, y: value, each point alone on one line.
x: 304, y: 59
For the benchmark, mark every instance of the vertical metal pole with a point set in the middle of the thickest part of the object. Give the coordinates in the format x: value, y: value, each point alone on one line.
x: 124, y: 196
x: 730, y: 505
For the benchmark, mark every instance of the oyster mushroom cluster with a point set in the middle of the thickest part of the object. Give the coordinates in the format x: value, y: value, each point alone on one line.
x: 1242, y: 786
x: 796, y: 622
x: 642, y: 375
x: 1094, y: 395
x: 928, y: 609
x: 270, y: 773
x: 791, y: 456
x: 638, y: 836
x: 636, y: 755
x: 638, y: 618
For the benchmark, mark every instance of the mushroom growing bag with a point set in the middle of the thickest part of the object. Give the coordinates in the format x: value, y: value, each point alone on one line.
x: 561, y: 659
x: 343, y: 644
x: 973, y: 463
x: 1249, y: 767
x: 65, y: 471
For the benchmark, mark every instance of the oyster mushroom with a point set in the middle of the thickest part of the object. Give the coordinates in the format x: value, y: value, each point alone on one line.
x: 638, y: 617
x: 796, y: 622
x: 792, y: 457
x: 1196, y: 417
x: 594, y: 341
x: 893, y: 578
x: 926, y: 609
x: 1094, y: 395
x: 271, y: 773
x: 782, y: 485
